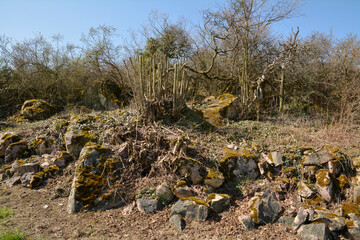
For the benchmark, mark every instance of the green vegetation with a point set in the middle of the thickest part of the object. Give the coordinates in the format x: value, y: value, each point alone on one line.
x: 5, y: 213
x: 12, y: 235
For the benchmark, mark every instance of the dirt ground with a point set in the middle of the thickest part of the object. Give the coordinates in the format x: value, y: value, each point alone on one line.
x: 40, y: 217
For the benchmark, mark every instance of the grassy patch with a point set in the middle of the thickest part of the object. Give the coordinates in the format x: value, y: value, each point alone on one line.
x: 5, y: 213
x: 12, y: 235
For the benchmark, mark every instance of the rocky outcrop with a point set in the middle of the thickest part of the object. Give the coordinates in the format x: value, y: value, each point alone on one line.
x: 192, y: 208
x: 223, y: 106
x: 148, y: 205
x: 36, y: 109
x: 239, y: 164
x: 164, y: 192
x: 90, y: 186
x: 77, y: 135
x: 265, y: 208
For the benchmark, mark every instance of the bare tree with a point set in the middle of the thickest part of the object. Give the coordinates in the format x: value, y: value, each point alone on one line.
x: 239, y: 31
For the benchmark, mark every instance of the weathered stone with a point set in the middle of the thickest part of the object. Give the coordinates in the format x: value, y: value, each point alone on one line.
x: 77, y: 135
x: 193, y: 168
x: 36, y: 109
x: 286, y: 220
x: 6, y: 139
x: 239, y: 164
x: 326, y: 184
x: 62, y: 159
x: 335, y: 167
x: 148, y: 205
x: 13, y: 181
x: 316, y: 231
x: 92, y: 177
x: 316, y: 158
x: 265, y: 208
x: 26, y: 178
x: 28, y: 168
x: 304, y: 191
x: 183, y: 192
x: 349, y: 208
x: 303, y: 216
x: 354, y: 233
x: 15, y: 150
x: 333, y: 221
x: 214, y: 178
x: 219, y: 202
x: 178, y: 222
x: 247, y: 222
x: 276, y: 158
x: 164, y: 192
x: 42, y: 145
x: 224, y: 106
x: 192, y: 208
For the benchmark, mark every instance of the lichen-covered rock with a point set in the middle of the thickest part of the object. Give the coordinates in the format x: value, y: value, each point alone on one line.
x: 214, y: 178
x: 328, y: 157
x: 219, y: 202
x: 326, y: 184
x: 36, y: 109
x: 77, y: 136
x: 93, y: 175
x: 343, y: 181
x: 333, y: 221
x: 42, y: 145
x: 192, y: 208
x: 15, y: 150
x: 181, y: 190
x: 316, y: 158
x: 28, y: 168
x: 148, y: 205
x: 164, y: 192
x: 304, y: 190
x: 13, y: 181
x: 276, y: 158
x: 192, y: 168
x: 224, y: 106
x: 239, y: 164
x: 349, y: 208
x: 62, y: 159
x: 6, y: 139
x: 265, y: 208
x: 303, y: 216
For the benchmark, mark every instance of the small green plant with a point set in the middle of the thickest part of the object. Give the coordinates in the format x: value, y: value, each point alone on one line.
x: 5, y: 213
x: 12, y: 234
x: 146, y: 192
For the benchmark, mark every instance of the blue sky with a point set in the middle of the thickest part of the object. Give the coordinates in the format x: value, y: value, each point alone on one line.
x: 23, y: 19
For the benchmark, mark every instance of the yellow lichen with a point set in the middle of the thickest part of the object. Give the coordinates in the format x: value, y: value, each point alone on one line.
x: 180, y: 183
x: 343, y: 181
x: 323, y: 177
x: 349, y: 207
x: 196, y: 200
